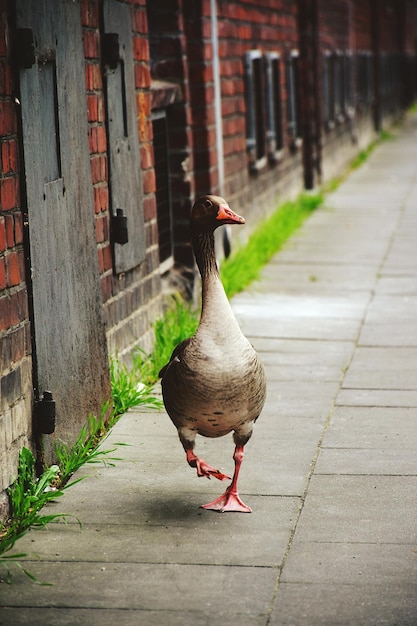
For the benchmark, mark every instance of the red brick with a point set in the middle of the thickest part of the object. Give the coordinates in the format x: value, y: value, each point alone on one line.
x: 18, y: 343
x: 92, y: 108
x: 21, y: 306
x: 9, y: 223
x: 9, y: 156
x: 101, y: 139
x: 106, y: 287
x: 2, y: 235
x: 90, y: 13
x: 7, y: 117
x: 97, y: 139
x: 101, y: 194
x: 101, y: 228
x: 9, y: 197
x: 2, y: 273
x: 101, y: 109
x: 93, y: 77
x: 100, y: 260
x: 140, y: 22
x: 92, y: 139
x: 140, y: 48
x: 21, y: 259
x: 12, y: 269
x: 142, y: 76
x: 101, y: 198
x: 107, y: 258
x: 98, y: 168
x: 91, y: 44
x: 147, y: 158
x: 5, y: 313
x: 149, y: 185
x: 18, y: 228
x: 149, y: 208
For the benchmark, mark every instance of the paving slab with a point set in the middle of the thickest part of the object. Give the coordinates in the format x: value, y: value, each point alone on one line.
x: 344, y: 605
x: 351, y: 563
x: 372, y: 427
x: 365, y: 509
x: 187, y: 587
x: 377, y: 397
x: 367, y: 461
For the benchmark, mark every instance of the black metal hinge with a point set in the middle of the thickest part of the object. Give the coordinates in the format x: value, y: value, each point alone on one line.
x: 24, y: 48
x: 119, y: 227
x: 110, y: 50
x: 45, y: 414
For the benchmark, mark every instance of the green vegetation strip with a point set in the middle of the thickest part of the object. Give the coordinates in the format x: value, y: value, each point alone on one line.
x: 244, y: 266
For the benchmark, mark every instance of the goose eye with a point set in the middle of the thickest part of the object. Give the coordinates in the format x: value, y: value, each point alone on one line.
x: 207, y: 204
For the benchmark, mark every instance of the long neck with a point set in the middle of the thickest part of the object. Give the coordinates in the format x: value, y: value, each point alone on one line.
x: 215, y: 305
x: 205, y: 254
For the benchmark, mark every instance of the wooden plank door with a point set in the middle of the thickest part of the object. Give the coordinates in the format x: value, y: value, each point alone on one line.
x: 69, y: 328
x: 126, y: 190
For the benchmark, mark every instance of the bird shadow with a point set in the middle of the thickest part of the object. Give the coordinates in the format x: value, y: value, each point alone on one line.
x: 173, y: 508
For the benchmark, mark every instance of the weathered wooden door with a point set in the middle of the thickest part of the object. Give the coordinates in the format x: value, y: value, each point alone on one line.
x: 69, y: 329
x: 126, y: 190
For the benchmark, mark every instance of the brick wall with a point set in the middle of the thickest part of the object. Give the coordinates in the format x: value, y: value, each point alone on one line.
x: 15, y: 343
x: 268, y: 27
x: 169, y: 56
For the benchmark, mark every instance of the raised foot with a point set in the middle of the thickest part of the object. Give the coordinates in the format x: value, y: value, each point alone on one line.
x: 203, y: 468
x: 228, y: 502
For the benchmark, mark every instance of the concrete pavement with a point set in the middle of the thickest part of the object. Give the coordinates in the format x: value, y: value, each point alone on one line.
x: 330, y: 471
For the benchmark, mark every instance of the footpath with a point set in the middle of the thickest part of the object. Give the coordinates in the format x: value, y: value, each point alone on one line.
x: 330, y: 473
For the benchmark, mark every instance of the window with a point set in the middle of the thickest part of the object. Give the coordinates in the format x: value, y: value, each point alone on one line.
x: 293, y: 114
x: 328, y: 90
x: 255, y: 116
x: 338, y: 86
x: 349, y: 103
x: 365, y: 78
x: 274, y: 135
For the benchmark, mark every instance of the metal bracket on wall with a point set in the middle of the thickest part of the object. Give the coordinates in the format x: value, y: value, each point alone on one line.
x: 119, y: 227
x: 24, y: 48
x: 110, y: 49
x: 45, y: 414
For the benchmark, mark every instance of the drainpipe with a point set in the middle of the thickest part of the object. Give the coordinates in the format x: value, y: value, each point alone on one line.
x: 218, y: 120
x: 376, y: 49
x: 217, y: 95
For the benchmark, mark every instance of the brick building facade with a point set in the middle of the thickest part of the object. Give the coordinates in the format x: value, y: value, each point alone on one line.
x: 251, y: 100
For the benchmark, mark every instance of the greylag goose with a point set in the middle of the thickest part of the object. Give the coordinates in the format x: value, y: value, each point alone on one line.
x: 214, y: 382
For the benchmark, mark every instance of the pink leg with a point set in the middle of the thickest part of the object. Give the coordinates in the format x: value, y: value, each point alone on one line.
x: 203, y: 469
x: 230, y: 500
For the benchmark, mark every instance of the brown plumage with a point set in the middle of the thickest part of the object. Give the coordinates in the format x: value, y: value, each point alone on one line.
x: 214, y: 382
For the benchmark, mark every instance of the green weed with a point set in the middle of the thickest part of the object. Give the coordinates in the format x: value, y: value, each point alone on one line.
x: 28, y: 495
x: 178, y: 323
x: 132, y: 387
x: 86, y: 449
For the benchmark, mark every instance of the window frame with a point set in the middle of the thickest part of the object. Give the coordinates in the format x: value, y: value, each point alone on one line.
x: 255, y: 111
x: 274, y: 130
x: 293, y: 100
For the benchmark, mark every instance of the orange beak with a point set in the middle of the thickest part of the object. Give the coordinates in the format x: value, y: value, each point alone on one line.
x: 225, y: 215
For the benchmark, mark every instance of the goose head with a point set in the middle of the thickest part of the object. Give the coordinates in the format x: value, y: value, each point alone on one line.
x: 209, y: 212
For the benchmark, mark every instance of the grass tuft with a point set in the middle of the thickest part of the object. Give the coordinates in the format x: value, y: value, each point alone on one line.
x: 178, y: 323
x: 28, y: 495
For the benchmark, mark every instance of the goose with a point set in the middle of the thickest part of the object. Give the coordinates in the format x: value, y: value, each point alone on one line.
x: 214, y: 382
